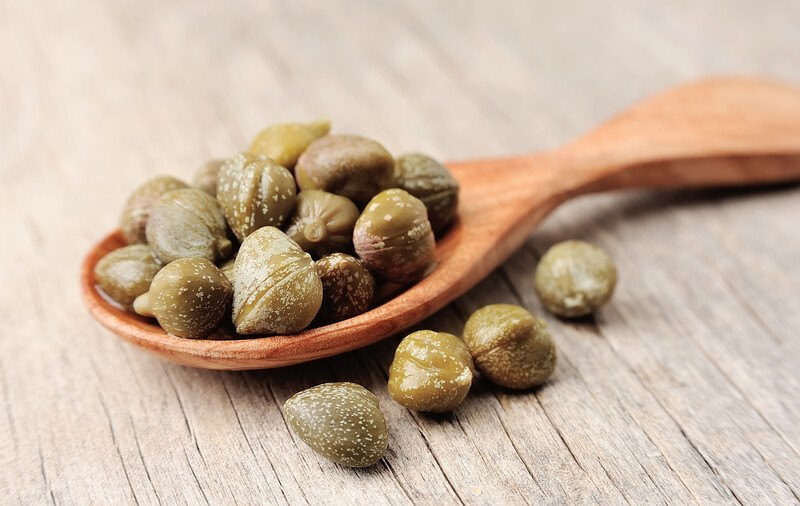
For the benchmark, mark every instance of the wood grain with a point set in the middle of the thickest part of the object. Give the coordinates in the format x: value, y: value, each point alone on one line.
x: 684, y: 389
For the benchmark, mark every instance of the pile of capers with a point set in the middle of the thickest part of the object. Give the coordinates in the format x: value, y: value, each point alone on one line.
x: 295, y: 231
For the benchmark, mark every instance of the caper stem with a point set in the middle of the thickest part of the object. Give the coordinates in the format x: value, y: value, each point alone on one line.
x: 320, y: 126
x: 142, y: 305
x: 224, y: 248
x: 316, y: 231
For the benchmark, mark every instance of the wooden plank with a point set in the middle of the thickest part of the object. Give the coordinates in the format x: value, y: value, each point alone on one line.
x: 683, y: 390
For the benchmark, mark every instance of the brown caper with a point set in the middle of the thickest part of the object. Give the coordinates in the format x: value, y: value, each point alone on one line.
x: 574, y: 278
x: 323, y: 222
x: 187, y: 223
x: 510, y: 346
x: 137, y: 208
x: 431, y: 371
x: 276, y: 286
x: 126, y: 273
x: 227, y: 268
x: 254, y: 192
x: 431, y: 182
x: 347, y: 287
x: 189, y: 297
x: 340, y: 421
x: 393, y: 236
x: 205, y: 177
x: 348, y: 165
x: 285, y: 142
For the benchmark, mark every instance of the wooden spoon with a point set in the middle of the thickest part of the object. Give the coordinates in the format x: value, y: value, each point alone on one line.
x: 709, y: 133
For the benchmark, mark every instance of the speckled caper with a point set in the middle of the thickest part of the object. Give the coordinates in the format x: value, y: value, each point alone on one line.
x: 347, y: 287
x: 187, y: 223
x: 137, y: 208
x: 510, y: 346
x: 348, y: 165
x: 393, y: 236
x: 340, y: 421
x: 431, y: 371
x: 189, y: 297
x: 254, y: 192
x: 126, y: 273
x: 206, y: 176
x: 431, y: 182
x: 323, y: 222
x: 574, y: 278
x: 285, y: 142
x: 276, y: 286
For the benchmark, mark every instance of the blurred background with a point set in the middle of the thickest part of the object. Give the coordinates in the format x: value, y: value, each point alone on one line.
x: 166, y: 85
x: 684, y: 389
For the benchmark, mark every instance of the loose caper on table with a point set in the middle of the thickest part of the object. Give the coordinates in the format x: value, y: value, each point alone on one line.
x: 340, y: 421
x: 574, y: 278
x: 510, y: 346
x: 431, y: 371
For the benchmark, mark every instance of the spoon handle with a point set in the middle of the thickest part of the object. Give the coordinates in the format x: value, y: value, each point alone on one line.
x: 723, y: 131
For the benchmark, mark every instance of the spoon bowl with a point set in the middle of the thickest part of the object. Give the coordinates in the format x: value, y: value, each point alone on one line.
x: 725, y: 131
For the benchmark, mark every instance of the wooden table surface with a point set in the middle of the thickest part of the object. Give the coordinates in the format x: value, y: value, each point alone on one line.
x: 684, y: 389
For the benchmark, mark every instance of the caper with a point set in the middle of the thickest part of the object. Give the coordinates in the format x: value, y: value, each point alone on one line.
x: 340, y: 421
x: 189, y: 297
x: 285, y: 142
x: 137, y: 208
x: 574, y: 278
x: 431, y: 371
x: 206, y: 176
x: 348, y: 165
x: 347, y: 287
x: 323, y: 222
x: 510, y: 346
x: 431, y: 182
x: 393, y: 236
x: 126, y: 273
x: 276, y: 286
x: 187, y: 223
x: 254, y: 192
x: 227, y: 268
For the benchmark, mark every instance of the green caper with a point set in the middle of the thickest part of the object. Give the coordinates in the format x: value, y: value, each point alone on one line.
x: 205, y: 177
x: 431, y: 371
x: 276, y: 286
x: 431, y: 182
x: 126, y: 273
x: 187, y: 223
x: 510, y: 346
x: 285, y: 142
x: 574, y: 278
x: 348, y: 165
x: 347, y: 287
x: 254, y: 192
x: 340, y: 421
x: 393, y: 236
x: 323, y: 222
x: 137, y: 208
x: 189, y: 297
